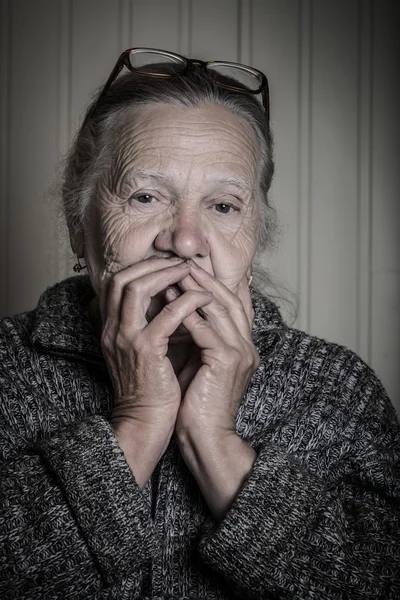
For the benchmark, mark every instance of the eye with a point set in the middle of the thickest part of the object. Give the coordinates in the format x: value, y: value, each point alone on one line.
x: 225, y: 208
x: 145, y: 198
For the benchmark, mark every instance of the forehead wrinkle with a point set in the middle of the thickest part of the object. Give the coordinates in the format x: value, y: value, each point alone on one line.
x: 138, y: 165
x: 179, y: 144
x: 240, y: 182
x: 160, y: 125
x: 140, y: 139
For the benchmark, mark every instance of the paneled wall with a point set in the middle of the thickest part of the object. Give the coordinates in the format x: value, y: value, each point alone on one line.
x: 334, y: 75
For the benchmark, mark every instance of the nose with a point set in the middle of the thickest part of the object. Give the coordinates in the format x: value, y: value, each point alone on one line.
x: 185, y: 237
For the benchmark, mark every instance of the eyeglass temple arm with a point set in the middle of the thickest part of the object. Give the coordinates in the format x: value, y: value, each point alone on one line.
x: 114, y: 74
x: 266, y: 101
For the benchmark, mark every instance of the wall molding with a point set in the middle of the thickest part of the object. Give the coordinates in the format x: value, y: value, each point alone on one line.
x: 364, y: 174
x: 304, y: 167
x: 125, y: 25
x: 245, y: 32
x: 60, y: 261
x: 185, y: 27
x: 5, y: 74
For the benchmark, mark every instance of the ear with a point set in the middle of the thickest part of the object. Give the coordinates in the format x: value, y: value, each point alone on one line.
x: 76, y: 241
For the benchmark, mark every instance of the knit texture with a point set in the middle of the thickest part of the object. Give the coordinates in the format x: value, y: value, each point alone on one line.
x: 317, y: 518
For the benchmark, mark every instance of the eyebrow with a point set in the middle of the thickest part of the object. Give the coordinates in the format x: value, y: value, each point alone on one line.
x: 147, y: 174
x: 238, y: 182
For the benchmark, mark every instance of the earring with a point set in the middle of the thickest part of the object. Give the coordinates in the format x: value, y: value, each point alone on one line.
x: 250, y: 280
x: 78, y: 267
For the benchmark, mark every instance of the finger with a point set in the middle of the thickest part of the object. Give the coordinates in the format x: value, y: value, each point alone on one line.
x: 188, y: 283
x: 217, y: 315
x: 112, y: 287
x: 243, y: 358
x: 137, y: 294
x: 128, y: 305
x: 245, y: 296
x: 224, y: 297
x: 175, y: 313
x: 203, y: 335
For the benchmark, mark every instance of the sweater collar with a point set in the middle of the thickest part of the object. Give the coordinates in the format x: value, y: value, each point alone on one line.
x: 62, y: 324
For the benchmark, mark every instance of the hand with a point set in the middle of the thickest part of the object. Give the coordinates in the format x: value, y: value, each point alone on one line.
x: 215, y: 381
x: 147, y: 392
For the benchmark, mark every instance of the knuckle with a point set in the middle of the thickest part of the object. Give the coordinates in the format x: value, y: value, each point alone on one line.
x: 106, y: 338
x: 196, y: 296
x: 233, y: 355
x: 192, y: 294
x: 252, y: 356
x: 132, y: 290
x: 237, y: 355
x: 131, y: 344
x: 115, y: 282
x: 201, y: 324
x: 138, y: 342
x: 120, y: 342
x: 221, y: 311
x: 169, y: 310
x: 237, y: 304
x: 103, y: 285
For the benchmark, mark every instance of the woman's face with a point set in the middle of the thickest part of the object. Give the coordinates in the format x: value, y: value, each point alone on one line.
x: 181, y: 182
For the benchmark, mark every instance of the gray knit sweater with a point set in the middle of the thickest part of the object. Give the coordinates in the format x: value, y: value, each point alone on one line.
x: 317, y: 518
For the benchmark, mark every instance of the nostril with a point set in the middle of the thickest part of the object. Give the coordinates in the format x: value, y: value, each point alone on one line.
x: 185, y: 239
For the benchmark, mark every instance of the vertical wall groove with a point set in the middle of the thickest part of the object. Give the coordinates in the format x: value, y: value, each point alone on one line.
x: 60, y: 267
x: 365, y: 116
x: 305, y: 163
x: 185, y: 27
x: 245, y: 32
x: 5, y: 57
x: 125, y: 25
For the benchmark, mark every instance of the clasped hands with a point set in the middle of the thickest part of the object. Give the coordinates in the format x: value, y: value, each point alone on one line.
x: 201, y: 402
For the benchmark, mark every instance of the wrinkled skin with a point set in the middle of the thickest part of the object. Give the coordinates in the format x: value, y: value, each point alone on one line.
x: 193, y: 149
x: 169, y: 241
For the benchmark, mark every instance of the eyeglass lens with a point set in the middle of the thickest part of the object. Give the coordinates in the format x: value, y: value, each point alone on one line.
x: 156, y: 62
x: 153, y: 62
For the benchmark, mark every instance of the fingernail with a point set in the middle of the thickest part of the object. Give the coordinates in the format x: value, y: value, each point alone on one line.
x: 192, y: 263
x: 172, y: 292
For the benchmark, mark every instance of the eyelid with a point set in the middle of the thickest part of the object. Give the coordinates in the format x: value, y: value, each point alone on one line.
x: 154, y: 194
x: 235, y: 209
x: 230, y: 199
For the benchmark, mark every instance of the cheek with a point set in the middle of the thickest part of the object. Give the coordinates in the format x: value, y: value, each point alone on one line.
x: 231, y: 257
x: 119, y: 240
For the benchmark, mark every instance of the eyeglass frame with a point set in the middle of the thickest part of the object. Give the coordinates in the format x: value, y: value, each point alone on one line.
x: 123, y: 60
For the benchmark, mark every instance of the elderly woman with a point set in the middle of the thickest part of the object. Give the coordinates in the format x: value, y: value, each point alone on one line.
x: 163, y: 433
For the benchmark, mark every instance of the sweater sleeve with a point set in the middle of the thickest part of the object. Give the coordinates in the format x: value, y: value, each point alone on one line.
x: 293, y: 534
x: 73, y: 521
